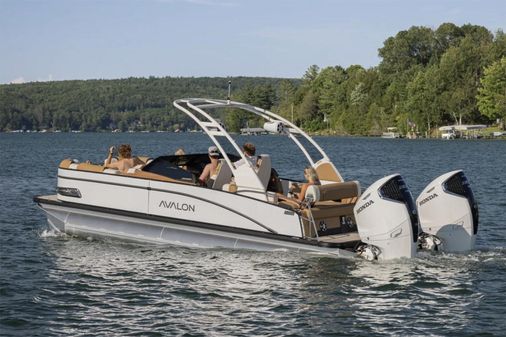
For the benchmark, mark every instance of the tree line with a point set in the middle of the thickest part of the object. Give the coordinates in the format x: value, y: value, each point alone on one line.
x: 426, y: 78
x: 103, y: 105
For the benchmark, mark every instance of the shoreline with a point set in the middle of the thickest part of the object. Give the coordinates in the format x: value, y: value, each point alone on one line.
x: 489, y: 136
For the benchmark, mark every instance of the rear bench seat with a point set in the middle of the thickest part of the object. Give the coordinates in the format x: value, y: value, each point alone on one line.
x: 336, y: 200
x: 87, y: 167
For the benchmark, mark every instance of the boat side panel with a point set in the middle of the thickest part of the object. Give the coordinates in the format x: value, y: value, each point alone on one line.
x: 207, y: 205
x: 182, y: 206
x: 107, y: 195
x: 80, y: 224
x: 104, y: 177
x: 179, y: 201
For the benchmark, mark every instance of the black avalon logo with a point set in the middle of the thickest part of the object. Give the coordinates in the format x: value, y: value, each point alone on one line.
x: 429, y: 198
x: 177, y: 206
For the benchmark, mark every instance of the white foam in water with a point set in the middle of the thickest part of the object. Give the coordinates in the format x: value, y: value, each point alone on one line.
x: 51, y: 233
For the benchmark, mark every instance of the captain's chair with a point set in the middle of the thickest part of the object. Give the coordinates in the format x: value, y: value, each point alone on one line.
x: 223, y: 176
x: 264, y: 169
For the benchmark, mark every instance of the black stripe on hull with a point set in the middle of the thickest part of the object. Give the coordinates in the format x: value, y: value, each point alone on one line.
x: 346, y: 245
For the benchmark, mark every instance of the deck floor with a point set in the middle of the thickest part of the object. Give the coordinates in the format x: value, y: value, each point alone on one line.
x: 341, y: 238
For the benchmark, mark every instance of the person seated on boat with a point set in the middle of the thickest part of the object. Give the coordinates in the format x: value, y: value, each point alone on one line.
x: 180, y: 152
x: 125, y: 160
x: 312, y: 179
x: 249, y: 151
x: 210, y: 170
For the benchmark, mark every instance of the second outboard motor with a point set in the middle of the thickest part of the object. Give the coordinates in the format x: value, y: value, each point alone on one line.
x: 448, y: 214
x: 386, y: 220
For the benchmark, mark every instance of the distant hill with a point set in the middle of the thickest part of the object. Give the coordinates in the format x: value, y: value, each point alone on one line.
x: 132, y: 103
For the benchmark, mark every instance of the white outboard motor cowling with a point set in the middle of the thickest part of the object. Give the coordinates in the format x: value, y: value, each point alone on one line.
x: 447, y: 210
x: 386, y: 219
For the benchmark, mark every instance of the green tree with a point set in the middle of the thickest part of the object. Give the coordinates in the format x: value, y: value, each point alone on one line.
x: 327, y: 86
x: 286, y: 99
x: 459, y: 74
x: 422, y: 104
x: 447, y: 35
x: 311, y: 74
x: 499, y: 46
x: 492, y: 93
x: 308, y: 109
x: 406, y: 49
x: 234, y: 120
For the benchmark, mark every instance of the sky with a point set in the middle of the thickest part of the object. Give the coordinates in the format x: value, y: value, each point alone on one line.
x: 45, y: 40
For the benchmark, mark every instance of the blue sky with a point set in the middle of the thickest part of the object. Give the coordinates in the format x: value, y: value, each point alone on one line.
x: 44, y: 40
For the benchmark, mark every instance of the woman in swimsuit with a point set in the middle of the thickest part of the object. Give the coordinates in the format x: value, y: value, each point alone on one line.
x: 312, y: 179
x: 210, y: 170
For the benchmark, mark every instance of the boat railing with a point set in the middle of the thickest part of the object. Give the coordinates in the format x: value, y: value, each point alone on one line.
x: 312, y: 223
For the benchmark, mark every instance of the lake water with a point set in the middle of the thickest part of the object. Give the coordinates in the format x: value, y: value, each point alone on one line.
x: 58, y: 286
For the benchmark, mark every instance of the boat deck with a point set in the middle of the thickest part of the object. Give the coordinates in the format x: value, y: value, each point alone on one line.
x: 345, y: 240
x: 340, y: 238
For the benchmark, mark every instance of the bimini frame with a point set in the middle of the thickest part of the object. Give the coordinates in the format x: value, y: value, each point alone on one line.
x: 195, y: 109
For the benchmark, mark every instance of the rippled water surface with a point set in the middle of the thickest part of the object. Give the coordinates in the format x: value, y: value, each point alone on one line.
x: 52, y: 285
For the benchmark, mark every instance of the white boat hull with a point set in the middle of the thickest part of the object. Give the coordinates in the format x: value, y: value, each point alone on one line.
x: 90, y: 222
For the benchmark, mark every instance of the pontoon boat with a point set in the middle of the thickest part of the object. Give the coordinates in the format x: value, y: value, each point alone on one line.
x: 249, y: 206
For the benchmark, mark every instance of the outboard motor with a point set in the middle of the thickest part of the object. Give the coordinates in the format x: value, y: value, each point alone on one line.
x: 448, y: 214
x: 386, y: 220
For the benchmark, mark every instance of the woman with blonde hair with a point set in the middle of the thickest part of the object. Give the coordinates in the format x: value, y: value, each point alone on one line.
x: 312, y: 179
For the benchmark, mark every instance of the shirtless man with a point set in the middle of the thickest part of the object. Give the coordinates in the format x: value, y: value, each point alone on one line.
x: 125, y: 158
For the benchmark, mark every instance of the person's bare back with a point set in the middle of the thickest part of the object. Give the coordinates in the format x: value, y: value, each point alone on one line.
x: 125, y: 162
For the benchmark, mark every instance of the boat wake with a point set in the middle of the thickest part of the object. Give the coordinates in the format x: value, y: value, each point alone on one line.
x: 52, y: 233
x: 483, y: 254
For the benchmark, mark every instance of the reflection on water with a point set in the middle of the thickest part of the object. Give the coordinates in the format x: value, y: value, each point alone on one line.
x: 126, y: 288
x: 432, y: 293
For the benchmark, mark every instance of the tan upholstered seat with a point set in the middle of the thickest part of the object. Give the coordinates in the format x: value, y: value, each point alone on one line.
x: 90, y: 167
x: 336, y: 200
x: 326, y: 171
x: 87, y: 167
x: 339, y: 191
x: 65, y: 163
